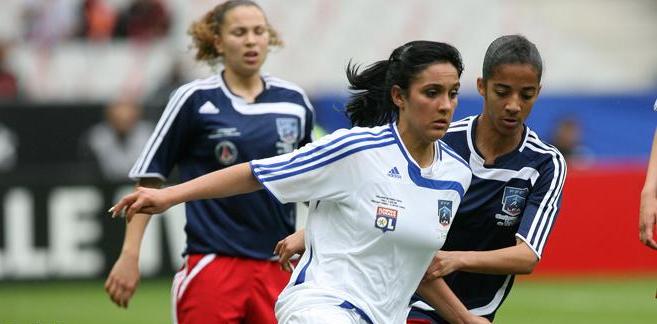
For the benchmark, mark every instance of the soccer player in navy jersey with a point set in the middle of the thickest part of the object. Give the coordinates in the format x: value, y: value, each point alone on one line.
x: 648, y: 210
x: 382, y: 197
x: 237, y: 115
x: 506, y: 216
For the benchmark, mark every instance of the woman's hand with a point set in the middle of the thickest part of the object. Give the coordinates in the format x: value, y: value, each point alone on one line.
x: 142, y: 200
x: 443, y: 263
x: 648, y: 220
x: 288, y: 247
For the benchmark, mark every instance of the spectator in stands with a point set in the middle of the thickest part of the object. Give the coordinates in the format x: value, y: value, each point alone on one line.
x: 144, y: 20
x: 8, y: 149
x: 48, y: 22
x: 567, y: 138
x: 648, y: 209
x: 97, y: 20
x: 175, y: 78
x: 116, y: 142
x: 8, y: 82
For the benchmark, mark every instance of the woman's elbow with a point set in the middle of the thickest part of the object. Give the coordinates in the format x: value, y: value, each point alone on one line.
x: 528, y: 265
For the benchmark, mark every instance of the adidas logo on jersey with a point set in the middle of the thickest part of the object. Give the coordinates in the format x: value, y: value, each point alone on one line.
x: 394, y: 173
x: 208, y: 108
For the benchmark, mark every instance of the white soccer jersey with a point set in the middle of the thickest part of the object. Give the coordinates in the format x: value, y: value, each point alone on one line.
x: 376, y: 219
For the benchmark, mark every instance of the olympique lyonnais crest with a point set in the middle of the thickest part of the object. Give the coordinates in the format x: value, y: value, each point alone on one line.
x: 513, y: 201
x: 444, y: 212
x: 288, y: 129
x: 386, y: 219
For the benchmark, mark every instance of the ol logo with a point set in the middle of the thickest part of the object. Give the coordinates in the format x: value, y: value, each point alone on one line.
x: 513, y: 201
x: 386, y: 219
x: 444, y: 212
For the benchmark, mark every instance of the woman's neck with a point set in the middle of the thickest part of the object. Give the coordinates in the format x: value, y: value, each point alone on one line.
x: 423, y: 152
x: 493, y: 144
x: 247, y: 87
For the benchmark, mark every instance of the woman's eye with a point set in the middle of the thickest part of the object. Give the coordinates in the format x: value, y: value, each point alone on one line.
x: 527, y: 96
x: 431, y: 93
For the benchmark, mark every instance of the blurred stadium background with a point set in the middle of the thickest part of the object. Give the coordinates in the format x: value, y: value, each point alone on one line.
x: 62, y: 62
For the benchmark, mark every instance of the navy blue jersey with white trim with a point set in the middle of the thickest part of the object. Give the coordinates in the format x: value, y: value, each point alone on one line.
x: 519, y: 196
x: 204, y: 128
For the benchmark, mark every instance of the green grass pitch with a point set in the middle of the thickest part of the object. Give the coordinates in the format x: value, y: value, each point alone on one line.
x: 546, y: 300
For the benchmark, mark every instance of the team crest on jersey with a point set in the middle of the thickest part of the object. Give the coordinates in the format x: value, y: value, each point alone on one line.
x: 288, y: 129
x: 226, y: 153
x: 386, y: 219
x: 513, y: 201
x: 444, y: 212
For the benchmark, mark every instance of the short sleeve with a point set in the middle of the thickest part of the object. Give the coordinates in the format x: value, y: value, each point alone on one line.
x: 327, y: 169
x: 165, y: 146
x: 543, y: 204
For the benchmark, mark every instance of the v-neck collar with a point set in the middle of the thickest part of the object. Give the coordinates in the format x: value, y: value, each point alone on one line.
x: 438, y: 154
x: 472, y: 142
x: 234, y: 97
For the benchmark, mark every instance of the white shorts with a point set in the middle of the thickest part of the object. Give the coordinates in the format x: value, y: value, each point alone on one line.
x: 323, y: 314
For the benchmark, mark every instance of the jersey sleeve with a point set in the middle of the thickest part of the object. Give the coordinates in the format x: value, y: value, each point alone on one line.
x: 327, y: 169
x: 165, y: 146
x: 310, y: 124
x: 543, y: 204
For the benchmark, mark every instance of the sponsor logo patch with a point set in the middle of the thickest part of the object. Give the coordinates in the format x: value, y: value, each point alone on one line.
x: 386, y: 219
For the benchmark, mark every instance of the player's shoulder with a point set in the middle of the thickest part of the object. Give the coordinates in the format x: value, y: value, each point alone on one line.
x: 214, y: 81
x: 196, y: 87
x: 357, y: 138
x: 286, y: 88
x: 447, y: 152
x: 461, y: 125
x: 359, y: 133
x: 277, y: 82
x: 457, y: 136
x: 537, y: 149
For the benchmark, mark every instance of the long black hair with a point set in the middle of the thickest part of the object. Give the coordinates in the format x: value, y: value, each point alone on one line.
x: 511, y: 49
x: 370, y: 103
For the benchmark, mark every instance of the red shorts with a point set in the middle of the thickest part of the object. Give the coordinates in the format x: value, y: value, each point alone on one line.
x: 222, y: 289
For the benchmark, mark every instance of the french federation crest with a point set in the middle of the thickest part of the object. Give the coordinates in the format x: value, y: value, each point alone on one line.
x: 513, y: 201
x: 288, y: 129
x: 445, y: 212
x: 386, y: 219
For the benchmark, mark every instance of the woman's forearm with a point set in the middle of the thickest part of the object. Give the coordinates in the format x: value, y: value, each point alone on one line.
x: 235, y: 180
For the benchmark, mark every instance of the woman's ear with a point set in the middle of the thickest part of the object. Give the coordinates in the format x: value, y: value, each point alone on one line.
x: 219, y: 44
x: 481, y: 87
x: 397, y: 96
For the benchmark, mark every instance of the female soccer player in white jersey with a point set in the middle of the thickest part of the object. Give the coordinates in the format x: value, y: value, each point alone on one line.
x: 235, y: 116
x: 382, y: 199
x: 511, y: 207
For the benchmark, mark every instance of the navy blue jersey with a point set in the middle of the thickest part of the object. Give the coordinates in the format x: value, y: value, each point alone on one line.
x: 205, y: 127
x: 519, y: 196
